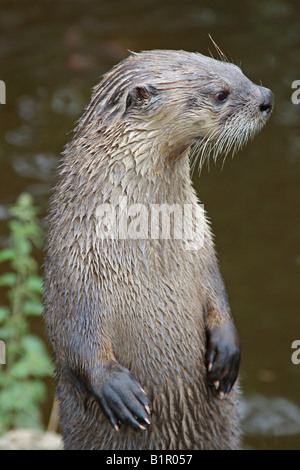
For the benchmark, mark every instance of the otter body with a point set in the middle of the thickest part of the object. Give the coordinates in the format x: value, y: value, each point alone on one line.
x: 146, y: 351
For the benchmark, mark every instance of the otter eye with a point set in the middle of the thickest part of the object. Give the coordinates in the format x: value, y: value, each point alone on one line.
x: 221, y: 96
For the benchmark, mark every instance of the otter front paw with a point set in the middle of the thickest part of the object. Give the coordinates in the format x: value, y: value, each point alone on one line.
x: 121, y: 398
x: 223, y: 357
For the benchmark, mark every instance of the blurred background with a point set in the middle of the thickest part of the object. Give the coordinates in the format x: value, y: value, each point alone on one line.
x: 51, y: 55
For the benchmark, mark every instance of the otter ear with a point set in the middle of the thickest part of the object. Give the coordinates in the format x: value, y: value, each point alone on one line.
x: 140, y: 94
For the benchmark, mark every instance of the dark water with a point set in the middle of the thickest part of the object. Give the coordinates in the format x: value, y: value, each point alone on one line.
x: 51, y: 55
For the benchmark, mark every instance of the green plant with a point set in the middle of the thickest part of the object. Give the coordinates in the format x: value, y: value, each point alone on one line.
x: 22, y: 389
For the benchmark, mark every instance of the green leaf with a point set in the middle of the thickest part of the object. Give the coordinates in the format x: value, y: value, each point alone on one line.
x: 8, y: 280
x: 21, y: 386
x: 24, y: 208
x: 21, y: 395
x: 35, y: 360
x: 35, y: 283
x: 33, y: 308
x: 4, y: 313
x: 7, y: 254
x: 6, y: 332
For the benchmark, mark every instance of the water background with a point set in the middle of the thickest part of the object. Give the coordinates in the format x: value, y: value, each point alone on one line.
x: 51, y: 55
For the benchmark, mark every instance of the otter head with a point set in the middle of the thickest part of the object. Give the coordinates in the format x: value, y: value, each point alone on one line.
x: 163, y: 102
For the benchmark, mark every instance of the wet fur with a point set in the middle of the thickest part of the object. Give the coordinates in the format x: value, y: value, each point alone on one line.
x: 144, y: 304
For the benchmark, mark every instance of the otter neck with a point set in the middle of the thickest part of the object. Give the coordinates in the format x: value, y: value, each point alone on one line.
x: 148, y: 170
x: 138, y: 164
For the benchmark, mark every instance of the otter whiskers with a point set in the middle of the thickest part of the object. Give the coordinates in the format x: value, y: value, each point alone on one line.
x: 222, y: 142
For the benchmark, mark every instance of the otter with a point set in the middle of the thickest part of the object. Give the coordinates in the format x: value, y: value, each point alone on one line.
x: 146, y: 350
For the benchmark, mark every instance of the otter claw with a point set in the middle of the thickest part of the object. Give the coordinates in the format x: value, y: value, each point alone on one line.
x: 121, y: 398
x: 223, y: 358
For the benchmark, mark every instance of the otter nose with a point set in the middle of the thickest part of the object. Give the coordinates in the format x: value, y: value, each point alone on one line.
x: 268, y: 101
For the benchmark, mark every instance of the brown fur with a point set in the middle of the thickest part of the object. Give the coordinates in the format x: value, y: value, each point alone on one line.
x: 146, y: 304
